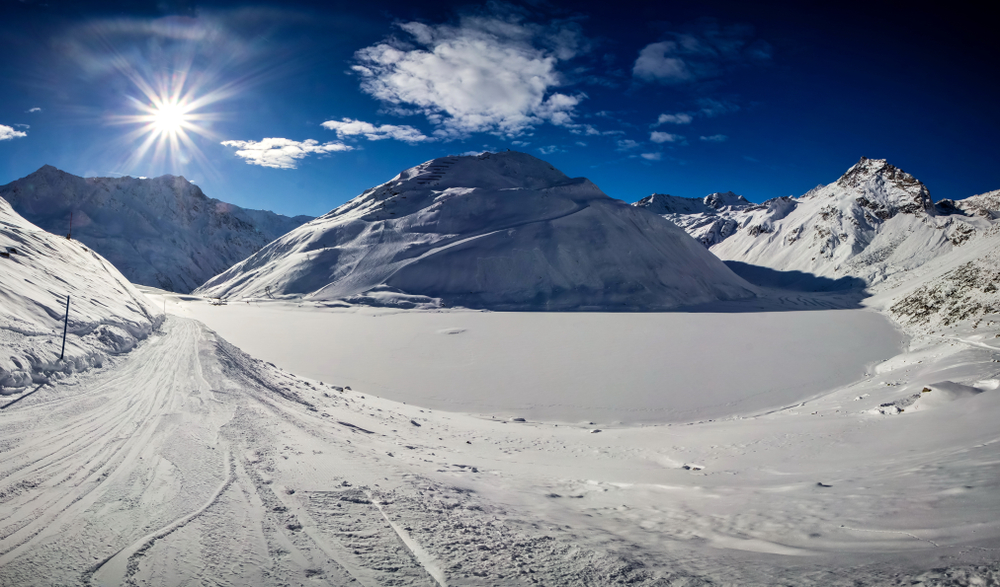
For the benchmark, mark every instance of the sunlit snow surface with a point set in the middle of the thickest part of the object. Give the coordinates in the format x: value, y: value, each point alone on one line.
x: 502, y: 231
x: 187, y: 461
x: 570, y: 367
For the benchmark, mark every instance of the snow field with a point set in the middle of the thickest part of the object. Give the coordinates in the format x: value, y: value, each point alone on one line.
x: 187, y: 459
x: 568, y: 367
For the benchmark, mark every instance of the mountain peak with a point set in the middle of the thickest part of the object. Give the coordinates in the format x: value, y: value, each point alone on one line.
x: 720, y: 200
x: 502, y: 231
x: 508, y: 169
x: 164, y: 231
x: 878, y: 180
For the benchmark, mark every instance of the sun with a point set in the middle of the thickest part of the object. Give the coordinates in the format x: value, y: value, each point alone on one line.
x: 169, y: 118
x: 168, y: 115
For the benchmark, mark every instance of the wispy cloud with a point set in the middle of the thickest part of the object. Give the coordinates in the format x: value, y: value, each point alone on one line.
x: 665, y: 137
x: 484, y: 74
x: 705, y: 50
x: 679, y: 118
x: 281, y: 153
x: 35, y: 109
x: 714, y: 139
x: 652, y: 156
x: 627, y: 145
x: 7, y: 133
x: 353, y: 128
x: 549, y: 150
x: 711, y: 107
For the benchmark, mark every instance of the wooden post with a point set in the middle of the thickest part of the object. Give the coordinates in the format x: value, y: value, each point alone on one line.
x: 65, y: 327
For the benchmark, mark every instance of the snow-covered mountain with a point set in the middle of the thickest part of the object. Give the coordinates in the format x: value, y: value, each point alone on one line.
x: 162, y: 232
x: 709, y: 220
x: 107, y: 315
x: 873, y: 223
x: 499, y: 230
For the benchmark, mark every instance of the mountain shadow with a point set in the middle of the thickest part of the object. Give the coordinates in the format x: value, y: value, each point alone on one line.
x: 793, y: 280
x: 789, y: 291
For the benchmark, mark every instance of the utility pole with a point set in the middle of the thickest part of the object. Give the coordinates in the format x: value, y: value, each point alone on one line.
x: 65, y: 327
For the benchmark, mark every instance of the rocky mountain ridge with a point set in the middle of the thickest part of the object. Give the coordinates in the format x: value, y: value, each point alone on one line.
x: 162, y: 232
x: 874, y: 222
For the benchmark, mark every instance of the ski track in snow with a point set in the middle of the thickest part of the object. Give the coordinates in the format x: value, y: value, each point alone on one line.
x: 187, y: 461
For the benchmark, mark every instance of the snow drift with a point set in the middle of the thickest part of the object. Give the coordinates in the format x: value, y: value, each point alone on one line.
x: 162, y: 232
x: 499, y: 230
x: 107, y: 315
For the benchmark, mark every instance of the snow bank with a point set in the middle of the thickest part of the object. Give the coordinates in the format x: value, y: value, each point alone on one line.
x: 106, y: 315
x: 162, y: 232
x: 501, y: 231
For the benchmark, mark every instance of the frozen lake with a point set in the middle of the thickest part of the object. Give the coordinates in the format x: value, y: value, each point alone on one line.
x: 568, y: 367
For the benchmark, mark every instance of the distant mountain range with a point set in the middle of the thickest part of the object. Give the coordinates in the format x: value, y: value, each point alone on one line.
x: 162, y: 232
x: 500, y: 231
x: 874, y: 223
x: 509, y: 231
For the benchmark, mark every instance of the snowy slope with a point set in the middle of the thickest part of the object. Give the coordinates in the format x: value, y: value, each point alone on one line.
x: 709, y: 220
x: 499, y: 230
x: 873, y: 223
x: 961, y: 286
x: 107, y: 314
x: 162, y: 232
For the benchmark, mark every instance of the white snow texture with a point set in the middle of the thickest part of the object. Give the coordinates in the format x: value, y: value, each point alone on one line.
x: 502, y: 231
x: 107, y: 315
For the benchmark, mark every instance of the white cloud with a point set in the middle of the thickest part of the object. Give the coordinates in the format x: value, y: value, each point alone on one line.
x: 703, y: 51
x: 652, y: 156
x: 655, y: 62
x: 487, y: 74
x: 35, y: 109
x: 281, y: 153
x: 665, y: 137
x: 679, y: 118
x: 627, y: 145
x: 714, y: 138
x: 581, y: 144
x: 7, y: 133
x: 352, y: 128
x: 549, y: 150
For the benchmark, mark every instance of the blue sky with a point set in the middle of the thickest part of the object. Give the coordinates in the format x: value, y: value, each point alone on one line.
x: 298, y: 107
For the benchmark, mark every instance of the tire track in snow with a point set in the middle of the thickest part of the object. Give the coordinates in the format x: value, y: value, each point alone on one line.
x: 122, y: 566
x: 87, y: 450
x: 428, y: 562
